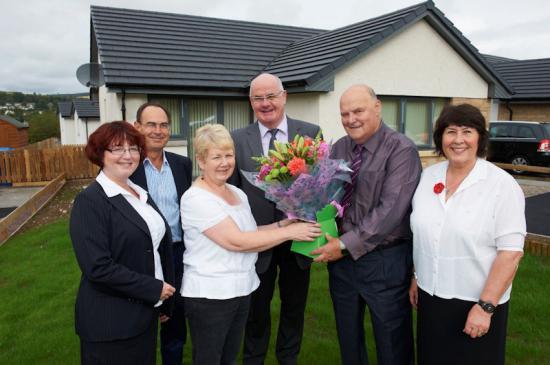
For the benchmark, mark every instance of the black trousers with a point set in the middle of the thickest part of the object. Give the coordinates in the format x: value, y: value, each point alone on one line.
x: 216, y: 328
x: 440, y: 339
x: 173, y: 333
x: 138, y: 350
x: 379, y: 280
x: 293, y: 288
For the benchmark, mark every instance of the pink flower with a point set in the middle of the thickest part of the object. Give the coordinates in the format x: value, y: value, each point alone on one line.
x: 296, y: 166
x: 322, y: 151
x: 438, y: 188
x: 264, y: 171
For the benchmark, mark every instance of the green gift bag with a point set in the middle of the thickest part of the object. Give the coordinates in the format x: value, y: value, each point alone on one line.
x: 326, y: 218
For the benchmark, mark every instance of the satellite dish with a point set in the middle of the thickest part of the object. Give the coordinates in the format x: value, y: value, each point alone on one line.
x: 90, y: 74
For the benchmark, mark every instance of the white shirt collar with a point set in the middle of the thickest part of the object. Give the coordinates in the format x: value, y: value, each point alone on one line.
x: 479, y: 172
x: 282, y: 127
x: 111, y: 188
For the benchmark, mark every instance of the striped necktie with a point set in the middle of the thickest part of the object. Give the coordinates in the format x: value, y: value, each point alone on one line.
x: 355, y: 166
x: 273, y: 138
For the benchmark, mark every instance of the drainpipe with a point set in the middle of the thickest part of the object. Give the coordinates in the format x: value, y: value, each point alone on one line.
x: 123, y: 107
x: 511, y: 112
x: 87, y: 136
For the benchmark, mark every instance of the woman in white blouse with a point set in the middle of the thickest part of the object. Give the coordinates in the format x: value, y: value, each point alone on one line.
x: 468, y: 226
x: 221, y: 240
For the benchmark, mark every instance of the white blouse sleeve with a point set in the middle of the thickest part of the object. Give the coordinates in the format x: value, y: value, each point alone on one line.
x: 510, y: 226
x: 201, y: 211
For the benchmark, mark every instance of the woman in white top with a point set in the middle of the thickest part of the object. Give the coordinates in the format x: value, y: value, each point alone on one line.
x: 221, y: 240
x: 123, y: 250
x: 468, y: 226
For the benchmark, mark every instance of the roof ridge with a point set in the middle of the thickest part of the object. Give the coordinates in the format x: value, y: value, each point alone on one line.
x: 138, y: 11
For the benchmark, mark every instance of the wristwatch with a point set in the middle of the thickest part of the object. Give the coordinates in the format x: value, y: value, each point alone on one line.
x: 486, y: 306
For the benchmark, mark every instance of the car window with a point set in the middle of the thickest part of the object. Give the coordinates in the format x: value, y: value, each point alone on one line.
x: 525, y: 132
x: 500, y: 131
x: 547, y: 128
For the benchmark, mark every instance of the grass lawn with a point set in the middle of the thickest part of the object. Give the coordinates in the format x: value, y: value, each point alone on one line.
x: 39, y: 278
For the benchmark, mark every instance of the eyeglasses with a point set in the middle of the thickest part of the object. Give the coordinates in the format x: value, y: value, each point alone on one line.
x: 153, y: 125
x: 119, y: 151
x: 268, y: 97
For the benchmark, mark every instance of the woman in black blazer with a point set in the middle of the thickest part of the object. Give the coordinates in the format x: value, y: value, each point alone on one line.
x: 121, y: 242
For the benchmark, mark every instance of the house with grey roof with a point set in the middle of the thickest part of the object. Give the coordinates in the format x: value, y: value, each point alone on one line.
x: 200, y: 68
x: 530, y: 80
x: 77, y: 120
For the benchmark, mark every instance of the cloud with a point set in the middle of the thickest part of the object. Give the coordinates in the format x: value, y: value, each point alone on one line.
x: 43, y: 42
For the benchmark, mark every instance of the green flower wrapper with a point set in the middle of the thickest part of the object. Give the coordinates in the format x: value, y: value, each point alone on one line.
x: 326, y: 218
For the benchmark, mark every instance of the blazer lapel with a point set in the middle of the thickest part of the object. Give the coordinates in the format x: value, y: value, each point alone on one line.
x: 120, y: 203
x: 293, y: 129
x: 138, y: 177
x: 177, y: 173
x: 255, y: 140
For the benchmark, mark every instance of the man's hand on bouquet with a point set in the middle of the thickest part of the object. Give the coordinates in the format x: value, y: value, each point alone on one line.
x: 304, y: 231
x: 331, y: 251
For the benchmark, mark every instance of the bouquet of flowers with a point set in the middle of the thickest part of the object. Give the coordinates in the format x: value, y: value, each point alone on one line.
x: 304, y: 183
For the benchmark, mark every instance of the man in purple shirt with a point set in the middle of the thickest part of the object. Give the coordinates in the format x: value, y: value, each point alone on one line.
x: 374, y: 233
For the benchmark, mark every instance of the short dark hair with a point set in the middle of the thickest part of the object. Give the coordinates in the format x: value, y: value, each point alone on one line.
x: 114, y: 133
x: 156, y: 105
x: 463, y: 115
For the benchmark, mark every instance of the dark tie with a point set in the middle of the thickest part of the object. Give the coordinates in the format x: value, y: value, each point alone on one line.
x: 273, y: 138
x: 355, y: 166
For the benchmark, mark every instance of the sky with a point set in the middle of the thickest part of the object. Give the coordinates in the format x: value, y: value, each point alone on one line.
x: 42, y: 43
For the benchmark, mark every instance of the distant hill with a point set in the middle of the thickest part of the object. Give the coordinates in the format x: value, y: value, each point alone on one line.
x: 40, y: 101
x: 20, y: 105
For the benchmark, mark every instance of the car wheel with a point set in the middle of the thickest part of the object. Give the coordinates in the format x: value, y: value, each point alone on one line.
x: 519, y: 160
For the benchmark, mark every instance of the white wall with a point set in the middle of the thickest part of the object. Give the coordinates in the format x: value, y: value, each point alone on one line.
x: 67, y: 130
x: 110, y: 104
x: 83, y: 129
x: 303, y: 106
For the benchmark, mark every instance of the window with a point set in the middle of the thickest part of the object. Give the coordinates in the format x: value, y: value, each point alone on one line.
x: 189, y: 114
x: 417, y: 122
x: 412, y: 116
x: 501, y: 131
x: 390, y: 113
x: 525, y: 132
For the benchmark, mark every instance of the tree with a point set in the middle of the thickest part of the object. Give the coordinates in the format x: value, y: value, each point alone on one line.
x: 42, y: 126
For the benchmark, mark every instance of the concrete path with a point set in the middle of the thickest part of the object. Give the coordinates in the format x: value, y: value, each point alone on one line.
x: 11, y: 198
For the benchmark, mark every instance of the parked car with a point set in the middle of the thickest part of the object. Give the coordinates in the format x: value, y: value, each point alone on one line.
x: 519, y: 143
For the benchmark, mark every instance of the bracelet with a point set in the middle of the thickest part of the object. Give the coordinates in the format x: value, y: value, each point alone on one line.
x: 279, y: 224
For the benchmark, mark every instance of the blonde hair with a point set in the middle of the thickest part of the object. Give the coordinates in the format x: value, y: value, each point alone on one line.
x: 211, y: 136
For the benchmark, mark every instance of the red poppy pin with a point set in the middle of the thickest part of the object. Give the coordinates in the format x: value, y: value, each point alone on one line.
x: 438, y: 188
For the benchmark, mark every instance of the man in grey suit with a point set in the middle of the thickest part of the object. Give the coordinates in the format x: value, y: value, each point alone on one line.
x: 268, y: 99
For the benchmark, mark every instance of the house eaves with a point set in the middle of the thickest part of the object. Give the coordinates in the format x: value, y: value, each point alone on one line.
x: 87, y: 108
x: 65, y: 108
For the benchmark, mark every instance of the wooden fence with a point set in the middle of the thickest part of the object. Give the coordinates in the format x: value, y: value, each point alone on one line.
x: 47, y: 143
x: 16, y: 219
x: 539, y: 169
x: 26, y: 167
